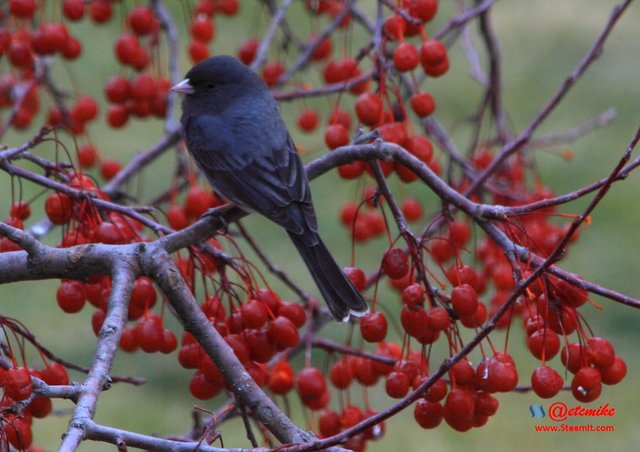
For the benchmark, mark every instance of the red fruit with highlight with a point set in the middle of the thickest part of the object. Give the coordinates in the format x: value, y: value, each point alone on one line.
x: 428, y: 415
x: 546, y: 382
x: 395, y: 263
x: 373, y: 327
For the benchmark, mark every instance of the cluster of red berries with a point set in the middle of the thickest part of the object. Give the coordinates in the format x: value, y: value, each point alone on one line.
x: 141, y: 94
x: 23, y: 41
x: 202, y: 27
x: 255, y: 330
x: 16, y: 384
x: 365, y: 221
x: 197, y: 200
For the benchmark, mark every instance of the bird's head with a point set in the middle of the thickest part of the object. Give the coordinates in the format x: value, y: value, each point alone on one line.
x: 219, y: 78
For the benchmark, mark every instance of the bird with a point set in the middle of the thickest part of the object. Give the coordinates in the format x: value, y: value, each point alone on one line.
x: 232, y: 128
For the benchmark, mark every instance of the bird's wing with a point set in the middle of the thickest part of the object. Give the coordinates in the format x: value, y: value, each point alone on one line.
x: 261, y: 174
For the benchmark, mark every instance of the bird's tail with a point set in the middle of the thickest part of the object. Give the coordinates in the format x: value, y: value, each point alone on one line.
x: 342, y: 298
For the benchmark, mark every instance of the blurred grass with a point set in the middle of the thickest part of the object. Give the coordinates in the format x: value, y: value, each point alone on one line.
x: 541, y: 42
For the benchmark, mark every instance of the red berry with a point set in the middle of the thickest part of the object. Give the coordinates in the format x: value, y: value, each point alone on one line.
x: 198, y: 200
x: 141, y: 20
x: 109, y: 233
x: 600, y: 352
x: 413, y: 295
x: 281, y: 378
x: 586, y: 385
x: 49, y: 38
x: 464, y: 300
x: 459, y: 405
x: 427, y: 414
x: 17, y: 383
x: 341, y: 373
x: 272, y: 72
x: 369, y: 108
x: 128, y: 341
x: 85, y: 109
x: 55, y: 374
x: 117, y: 116
x: 412, y: 209
x: 229, y: 7
x: 149, y: 333
x: 18, y: 432
x: 438, y: 318
x: 373, y: 327
x: 117, y: 89
x: 405, y: 57
x: 356, y: 276
x: 486, y: 404
x: 293, y: 312
x: 459, y: 233
x: 100, y: 11
x: 307, y: 120
x: 546, y: 382
x: 20, y: 210
x: 201, y: 389
x: 397, y: 384
x: 341, y: 70
x: 462, y: 274
x: 169, y: 341
x: 395, y: 263
x: 414, y: 321
x: 463, y: 374
x: 615, y: 373
x: 71, y: 296
x: 40, y: 407
x: 437, y: 70
x: 142, y: 87
x: 329, y: 423
x: 239, y: 346
x: 437, y: 391
x: 87, y: 156
x: 22, y: 8
x: 143, y: 294
x: 433, y: 53
x: 126, y: 48
x: 283, y: 332
x: 202, y: 29
x: 73, y: 9
x: 322, y: 50
x: 310, y: 383
x: 573, y: 356
x: 395, y: 27
x: 206, y: 7
x: 544, y: 344
x: 422, y: 104
x: 254, y: 314
x: 261, y: 349
x: 340, y: 116
x: 351, y: 415
x: 336, y: 136
x: 58, y: 208
x: 109, y: 168
x: 72, y: 48
x: 424, y: 10
x: 248, y: 49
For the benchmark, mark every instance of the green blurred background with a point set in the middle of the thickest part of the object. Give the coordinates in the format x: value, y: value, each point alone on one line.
x: 541, y: 42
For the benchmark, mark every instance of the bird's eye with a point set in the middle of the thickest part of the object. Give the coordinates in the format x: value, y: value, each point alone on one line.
x: 210, y: 86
